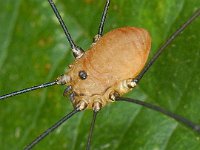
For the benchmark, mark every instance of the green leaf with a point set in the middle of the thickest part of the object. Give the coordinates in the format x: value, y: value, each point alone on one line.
x: 34, y: 50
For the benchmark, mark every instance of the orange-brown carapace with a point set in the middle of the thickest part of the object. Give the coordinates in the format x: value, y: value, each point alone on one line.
x: 108, y: 67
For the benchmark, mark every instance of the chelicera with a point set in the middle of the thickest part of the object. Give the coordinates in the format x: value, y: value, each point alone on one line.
x: 93, y: 80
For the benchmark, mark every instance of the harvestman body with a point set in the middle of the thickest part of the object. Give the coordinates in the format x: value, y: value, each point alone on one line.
x: 90, y: 76
x: 93, y: 79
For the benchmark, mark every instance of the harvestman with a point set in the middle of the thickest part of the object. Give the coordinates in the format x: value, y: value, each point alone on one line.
x: 80, y: 77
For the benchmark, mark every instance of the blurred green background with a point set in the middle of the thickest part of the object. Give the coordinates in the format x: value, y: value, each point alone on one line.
x: 34, y: 50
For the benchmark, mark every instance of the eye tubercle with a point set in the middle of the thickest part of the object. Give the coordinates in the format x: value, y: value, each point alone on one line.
x: 82, y: 74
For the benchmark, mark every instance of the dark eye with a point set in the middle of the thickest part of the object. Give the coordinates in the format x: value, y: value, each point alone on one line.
x: 82, y: 74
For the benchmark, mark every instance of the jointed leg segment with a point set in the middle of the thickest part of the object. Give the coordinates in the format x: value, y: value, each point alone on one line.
x: 77, y: 51
x: 103, y: 18
x: 91, y: 129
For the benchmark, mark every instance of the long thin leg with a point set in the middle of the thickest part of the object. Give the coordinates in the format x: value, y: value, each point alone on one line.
x: 49, y: 130
x: 103, y: 18
x: 91, y: 130
x: 162, y: 48
x: 44, y: 85
x: 77, y: 51
x: 178, y: 118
